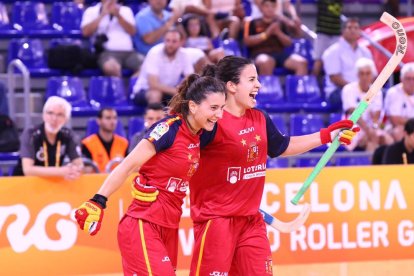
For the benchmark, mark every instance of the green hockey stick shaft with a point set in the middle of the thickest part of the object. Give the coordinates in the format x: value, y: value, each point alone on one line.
x: 400, y: 49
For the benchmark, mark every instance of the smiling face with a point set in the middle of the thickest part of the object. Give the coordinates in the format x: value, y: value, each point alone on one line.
x: 206, y: 114
x: 246, y: 90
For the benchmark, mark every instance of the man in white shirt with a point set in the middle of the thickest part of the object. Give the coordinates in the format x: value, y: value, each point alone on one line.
x: 165, y: 65
x: 399, y: 102
x: 339, y: 61
x: 113, y: 25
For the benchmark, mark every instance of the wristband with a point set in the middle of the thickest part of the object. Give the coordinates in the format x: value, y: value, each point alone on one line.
x: 100, y: 199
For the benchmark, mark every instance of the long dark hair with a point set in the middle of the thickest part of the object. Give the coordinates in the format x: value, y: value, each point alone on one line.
x: 227, y: 69
x: 194, y: 88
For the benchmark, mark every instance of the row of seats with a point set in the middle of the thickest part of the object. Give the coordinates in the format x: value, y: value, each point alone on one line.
x: 102, y: 92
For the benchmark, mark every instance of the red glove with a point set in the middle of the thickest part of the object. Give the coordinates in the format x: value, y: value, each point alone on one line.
x: 89, y: 215
x: 344, y: 128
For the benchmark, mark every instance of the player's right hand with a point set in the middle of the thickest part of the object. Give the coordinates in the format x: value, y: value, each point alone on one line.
x: 143, y: 192
x: 89, y: 217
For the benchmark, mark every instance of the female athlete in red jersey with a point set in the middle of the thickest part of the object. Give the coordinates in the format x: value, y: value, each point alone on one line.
x: 166, y: 160
x: 230, y: 234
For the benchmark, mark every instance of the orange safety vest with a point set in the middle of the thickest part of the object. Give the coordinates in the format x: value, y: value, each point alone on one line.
x: 98, y: 152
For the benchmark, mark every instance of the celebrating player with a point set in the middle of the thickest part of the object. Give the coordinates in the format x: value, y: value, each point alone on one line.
x: 166, y: 160
x: 230, y: 234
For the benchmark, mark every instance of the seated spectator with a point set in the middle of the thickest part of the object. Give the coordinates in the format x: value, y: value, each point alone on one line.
x: 328, y: 29
x: 111, y: 26
x: 152, y: 23
x: 290, y: 17
x: 153, y: 113
x: 227, y: 15
x: 399, y: 102
x: 339, y: 61
x: 165, y: 65
x: 198, y: 38
x: 106, y: 145
x: 401, y: 152
x: 267, y: 41
x: 45, y: 146
x: 352, y: 94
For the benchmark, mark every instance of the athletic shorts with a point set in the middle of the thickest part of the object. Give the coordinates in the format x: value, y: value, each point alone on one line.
x: 279, y: 58
x: 231, y: 246
x: 147, y: 248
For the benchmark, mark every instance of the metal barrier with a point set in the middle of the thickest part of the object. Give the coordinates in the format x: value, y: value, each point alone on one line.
x: 17, y: 63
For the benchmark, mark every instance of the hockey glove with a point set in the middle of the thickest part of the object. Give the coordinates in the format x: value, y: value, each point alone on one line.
x: 90, y: 214
x: 143, y: 192
x: 346, y: 131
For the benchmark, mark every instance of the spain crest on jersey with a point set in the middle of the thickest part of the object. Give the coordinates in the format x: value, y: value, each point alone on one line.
x: 252, y: 152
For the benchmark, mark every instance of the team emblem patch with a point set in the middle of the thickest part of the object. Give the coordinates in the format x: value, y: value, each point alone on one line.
x: 159, y: 130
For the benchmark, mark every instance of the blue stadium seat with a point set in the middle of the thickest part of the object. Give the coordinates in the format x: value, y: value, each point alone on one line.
x: 109, y: 91
x: 92, y: 127
x: 310, y: 162
x: 271, y: 91
x: 304, y: 48
x: 69, y: 88
x: 31, y: 17
x: 231, y: 47
x: 279, y: 122
x: 353, y: 161
x: 301, y: 124
x: 31, y: 53
x: 277, y: 163
x: 66, y: 17
x: 135, y: 124
x: 303, y: 89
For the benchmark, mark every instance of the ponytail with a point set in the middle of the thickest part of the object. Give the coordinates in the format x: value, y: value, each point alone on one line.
x: 194, y: 88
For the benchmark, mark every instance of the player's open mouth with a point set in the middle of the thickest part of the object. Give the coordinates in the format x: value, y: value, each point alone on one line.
x: 211, y: 121
x: 253, y: 95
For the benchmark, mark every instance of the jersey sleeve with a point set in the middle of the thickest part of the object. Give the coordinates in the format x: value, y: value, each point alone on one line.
x: 207, y: 136
x: 162, y: 134
x: 277, y: 143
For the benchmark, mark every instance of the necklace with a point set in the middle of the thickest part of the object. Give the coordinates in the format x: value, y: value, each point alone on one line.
x: 192, y: 130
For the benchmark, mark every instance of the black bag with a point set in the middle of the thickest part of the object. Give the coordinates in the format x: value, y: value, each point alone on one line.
x: 71, y: 57
x: 9, y: 136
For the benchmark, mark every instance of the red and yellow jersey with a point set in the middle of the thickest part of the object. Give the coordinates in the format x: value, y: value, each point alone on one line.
x: 231, y: 176
x: 177, y: 159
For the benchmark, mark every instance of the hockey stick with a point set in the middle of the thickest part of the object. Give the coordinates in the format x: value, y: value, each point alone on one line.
x: 400, y: 49
x: 287, y: 227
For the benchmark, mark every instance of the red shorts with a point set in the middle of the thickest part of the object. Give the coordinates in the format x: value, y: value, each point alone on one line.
x: 147, y: 248
x: 231, y: 246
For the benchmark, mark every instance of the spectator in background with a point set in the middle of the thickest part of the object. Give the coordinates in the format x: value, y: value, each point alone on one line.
x: 371, y: 135
x: 399, y: 102
x: 401, y: 152
x: 339, y: 61
x: 227, y: 14
x: 153, y: 113
x: 152, y: 23
x: 267, y: 41
x: 45, y: 146
x: 106, y: 145
x: 290, y: 17
x: 165, y: 65
x: 197, y: 38
x: 328, y: 29
x: 111, y: 26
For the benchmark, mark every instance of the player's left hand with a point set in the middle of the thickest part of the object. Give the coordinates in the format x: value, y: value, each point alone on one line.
x: 344, y: 128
